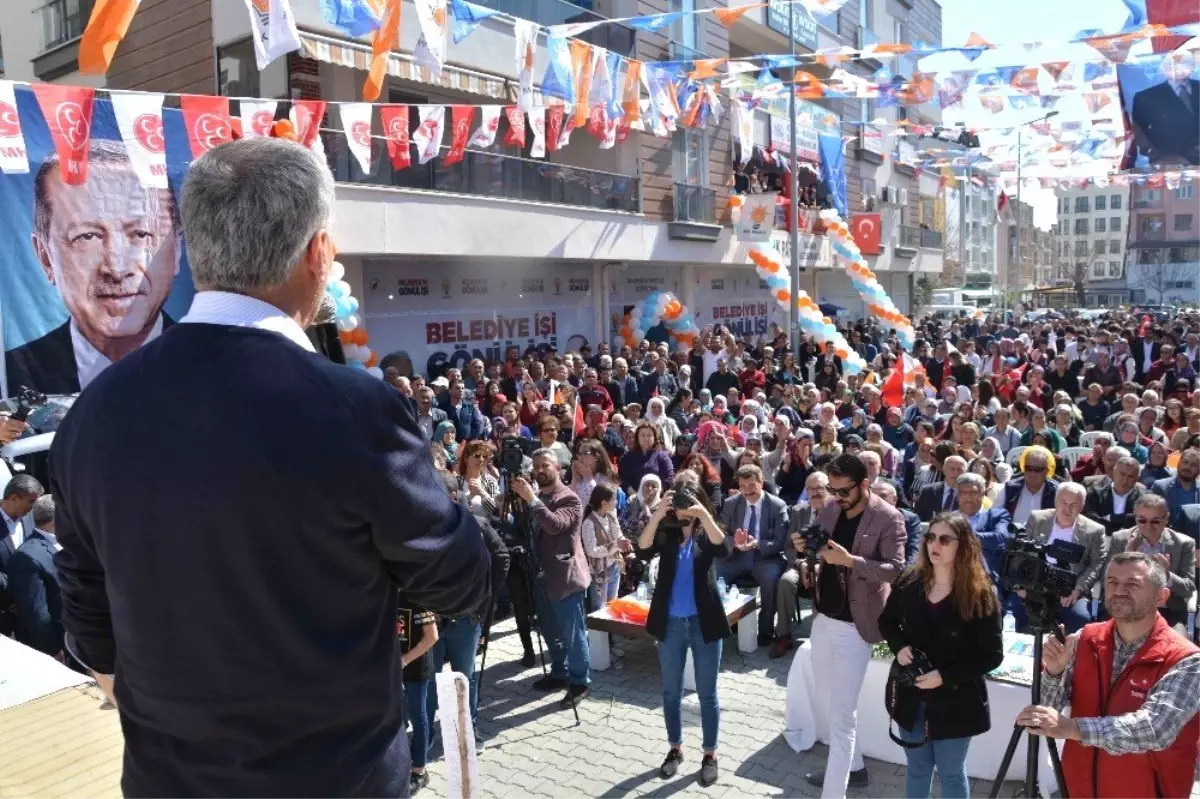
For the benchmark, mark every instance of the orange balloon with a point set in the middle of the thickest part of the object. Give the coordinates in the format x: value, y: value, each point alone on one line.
x: 373, y: 360
x: 359, y: 336
x: 826, y: 320
x: 346, y: 336
x: 783, y: 295
x: 284, y: 129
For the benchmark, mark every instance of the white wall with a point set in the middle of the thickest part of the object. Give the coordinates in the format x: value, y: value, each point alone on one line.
x: 21, y: 32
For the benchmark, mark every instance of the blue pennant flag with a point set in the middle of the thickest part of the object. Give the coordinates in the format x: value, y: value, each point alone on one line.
x: 467, y: 17
x: 1095, y: 70
x: 1137, y: 15
x: 782, y: 61
x: 559, y: 81
x: 614, y: 95
x: 352, y: 17
x: 656, y: 22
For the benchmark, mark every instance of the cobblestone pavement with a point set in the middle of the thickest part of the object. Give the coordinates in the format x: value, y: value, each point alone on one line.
x: 535, y: 749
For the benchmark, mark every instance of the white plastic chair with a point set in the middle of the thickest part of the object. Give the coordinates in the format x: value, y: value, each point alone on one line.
x: 1071, y: 455
x: 1014, y: 457
x: 1088, y: 440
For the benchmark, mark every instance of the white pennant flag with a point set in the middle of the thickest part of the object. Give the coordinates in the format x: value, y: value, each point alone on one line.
x: 139, y: 118
x: 356, y: 122
x: 537, y: 122
x: 430, y: 51
x: 568, y: 125
x: 610, y: 134
x: 257, y: 118
x: 274, y: 30
x: 485, y: 136
x: 525, y: 34
x: 13, y: 158
x: 428, y: 135
x: 743, y: 127
x: 601, y: 89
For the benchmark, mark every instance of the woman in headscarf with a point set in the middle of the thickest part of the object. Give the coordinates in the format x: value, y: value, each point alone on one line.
x: 657, y: 416
x: 1130, y: 439
x: 644, y: 502
x: 706, y: 400
x: 855, y: 425
x: 1156, y: 465
x: 445, y: 434
x: 1066, y: 426
x: 720, y: 410
x: 1148, y: 426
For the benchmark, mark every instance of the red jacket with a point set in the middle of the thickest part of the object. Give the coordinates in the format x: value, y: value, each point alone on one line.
x: 752, y: 380
x: 1092, y: 772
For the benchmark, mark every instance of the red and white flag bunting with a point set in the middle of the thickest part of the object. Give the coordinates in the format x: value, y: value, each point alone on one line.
x: 555, y: 116
x: 395, y: 131
x: 485, y: 134
x: 207, y: 121
x: 14, y: 160
x: 460, y: 131
x: 306, y: 116
x: 428, y: 135
x: 537, y: 123
x: 356, y: 122
x: 257, y: 118
x: 68, y: 113
x: 564, y: 138
x: 515, y: 137
x: 139, y: 118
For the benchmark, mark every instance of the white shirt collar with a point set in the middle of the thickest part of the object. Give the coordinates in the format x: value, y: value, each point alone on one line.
x: 239, y: 310
x: 89, y: 361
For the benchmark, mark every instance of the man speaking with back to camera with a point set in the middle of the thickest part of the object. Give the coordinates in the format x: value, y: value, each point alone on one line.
x: 233, y: 585
x: 865, y: 554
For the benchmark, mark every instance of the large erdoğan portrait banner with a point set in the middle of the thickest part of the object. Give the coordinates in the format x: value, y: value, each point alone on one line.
x: 92, y: 259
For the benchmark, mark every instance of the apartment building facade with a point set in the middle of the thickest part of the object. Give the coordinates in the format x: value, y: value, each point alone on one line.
x: 581, y: 235
x: 1163, y: 262
x: 1091, y: 237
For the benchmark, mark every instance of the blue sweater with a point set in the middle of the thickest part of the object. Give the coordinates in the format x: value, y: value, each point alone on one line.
x: 635, y: 464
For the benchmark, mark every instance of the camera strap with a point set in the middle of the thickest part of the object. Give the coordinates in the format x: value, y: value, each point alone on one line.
x: 891, y: 699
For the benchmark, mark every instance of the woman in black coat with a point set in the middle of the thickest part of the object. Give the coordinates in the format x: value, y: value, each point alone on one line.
x: 943, y: 613
x: 686, y: 612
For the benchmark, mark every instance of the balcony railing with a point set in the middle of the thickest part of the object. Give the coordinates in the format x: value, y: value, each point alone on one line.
x: 615, y: 37
x: 910, y: 237
x: 63, y: 21
x: 695, y: 204
x: 931, y: 239
x: 494, y: 175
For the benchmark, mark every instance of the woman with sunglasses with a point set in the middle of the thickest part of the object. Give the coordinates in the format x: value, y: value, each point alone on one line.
x: 943, y: 612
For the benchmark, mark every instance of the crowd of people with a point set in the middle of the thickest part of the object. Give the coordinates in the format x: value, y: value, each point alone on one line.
x: 1060, y: 430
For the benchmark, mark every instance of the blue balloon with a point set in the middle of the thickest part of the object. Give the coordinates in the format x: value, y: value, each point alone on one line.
x: 352, y: 304
x: 335, y: 290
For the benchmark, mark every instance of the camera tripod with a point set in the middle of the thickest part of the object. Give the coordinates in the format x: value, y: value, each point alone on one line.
x: 1036, y: 609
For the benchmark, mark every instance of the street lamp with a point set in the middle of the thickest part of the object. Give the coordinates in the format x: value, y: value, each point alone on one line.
x: 1004, y: 298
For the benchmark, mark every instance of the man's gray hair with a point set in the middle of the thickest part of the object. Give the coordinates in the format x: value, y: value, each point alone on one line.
x: 1153, y: 502
x: 1118, y: 453
x: 1129, y: 460
x: 1158, y: 574
x: 1073, y: 488
x: 885, y: 487
x: 543, y: 452
x: 250, y: 208
x: 971, y: 479
x: 43, y: 511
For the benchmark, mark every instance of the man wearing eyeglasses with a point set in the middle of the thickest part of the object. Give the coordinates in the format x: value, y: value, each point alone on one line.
x: 1033, y: 490
x: 990, y: 525
x: 864, y: 555
x: 1175, y: 551
x: 1112, y: 503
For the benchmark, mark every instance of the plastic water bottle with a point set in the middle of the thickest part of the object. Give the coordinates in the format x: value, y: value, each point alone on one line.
x: 1010, y: 623
x: 643, y: 591
x: 722, y: 589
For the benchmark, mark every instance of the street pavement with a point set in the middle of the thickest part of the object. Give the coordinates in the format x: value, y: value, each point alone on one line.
x: 535, y: 749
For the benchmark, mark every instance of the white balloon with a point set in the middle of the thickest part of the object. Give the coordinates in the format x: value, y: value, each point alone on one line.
x: 375, y: 372
x: 351, y: 352
x: 349, y: 323
x: 337, y: 272
x: 345, y: 287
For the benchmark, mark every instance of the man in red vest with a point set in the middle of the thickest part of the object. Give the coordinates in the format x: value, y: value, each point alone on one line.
x: 1132, y: 683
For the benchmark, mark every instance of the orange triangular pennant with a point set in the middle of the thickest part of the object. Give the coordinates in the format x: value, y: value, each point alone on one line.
x: 630, y: 101
x: 808, y: 86
x: 706, y: 68
x: 581, y: 66
x: 1056, y: 68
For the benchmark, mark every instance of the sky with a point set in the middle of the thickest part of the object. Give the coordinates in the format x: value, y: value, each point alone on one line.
x: 1014, y: 22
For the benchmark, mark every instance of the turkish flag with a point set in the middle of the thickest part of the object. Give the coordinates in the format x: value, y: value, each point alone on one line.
x: 395, y: 130
x: 554, y: 126
x: 865, y: 228
x: 460, y: 131
x: 68, y: 113
x: 308, y: 116
x: 207, y: 120
x: 515, y: 137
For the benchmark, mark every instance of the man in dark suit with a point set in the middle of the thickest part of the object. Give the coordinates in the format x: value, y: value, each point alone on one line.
x: 19, y: 495
x: 111, y: 247
x: 990, y: 525
x: 34, y: 583
x: 233, y: 585
x: 937, y: 497
x: 1166, y: 117
x: 1112, y: 503
x: 758, y: 522
x: 1033, y: 490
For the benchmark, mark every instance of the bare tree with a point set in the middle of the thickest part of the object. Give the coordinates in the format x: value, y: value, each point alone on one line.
x: 1162, y: 277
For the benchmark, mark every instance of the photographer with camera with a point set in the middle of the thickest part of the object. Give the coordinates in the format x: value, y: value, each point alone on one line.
x: 798, y: 571
x: 1132, y: 684
x: 686, y: 612
x: 862, y: 556
x: 942, y: 621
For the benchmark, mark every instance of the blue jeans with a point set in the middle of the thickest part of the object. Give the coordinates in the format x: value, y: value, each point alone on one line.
x: 683, y: 634
x: 600, y: 593
x: 422, y: 733
x: 948, y: 756
x: 564, y: 626
x: 457, y: 641
x: 1072, y: 617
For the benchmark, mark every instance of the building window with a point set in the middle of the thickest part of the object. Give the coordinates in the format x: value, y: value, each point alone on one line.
x: 1114, y: 224
x: 1064, y: 205
x: 1151, y: 226
x: 1183, y: 221
x: 1081, y: 226
x: 1183, y: 255
x: 1150, y: 256
x: 1116, y: 202
x: 926, y: 210
x: 237, y: 71
x: 1114, y: 245
x: 1081, y: 248
x: 1098, y: 271
x: 1098, y: 246
x: 1146, y: 198
x: 1081, y: 205
x: 691, y: 156
x: 1101, y: 224
x: 1185, y: 192
x: 868, y: 194
x: 1100, y: 202
x: 1114, y: 268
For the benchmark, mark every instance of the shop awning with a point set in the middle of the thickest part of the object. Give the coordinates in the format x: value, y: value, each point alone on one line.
x: 358, y: 56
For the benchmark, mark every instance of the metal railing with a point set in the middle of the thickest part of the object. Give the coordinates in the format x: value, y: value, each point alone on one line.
x: 695, y: 204
x: 63, y: 21
x: 910, y: 237
x: 931, y: 239
x: 489, y: 174
x: 615, y: 37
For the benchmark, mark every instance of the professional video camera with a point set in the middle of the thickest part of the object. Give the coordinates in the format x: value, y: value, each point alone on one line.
x: 511, y: 456
x: 684, y: 498
x: 1043, y: 572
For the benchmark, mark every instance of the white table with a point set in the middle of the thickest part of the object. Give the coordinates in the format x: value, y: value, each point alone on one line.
x: 741, y: 609
x: 805, y: 722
